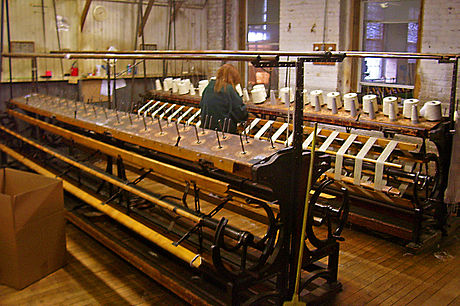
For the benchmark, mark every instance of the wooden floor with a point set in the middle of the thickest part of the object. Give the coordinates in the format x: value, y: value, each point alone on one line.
x: 92, y: 276
x: 373, y: 271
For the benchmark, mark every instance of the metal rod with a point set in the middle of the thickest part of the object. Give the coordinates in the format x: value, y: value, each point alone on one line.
x: 433, y: 56
x: 204, y: 125
x: 105, y: 113
x: 218, y: 140
x: 242, y: 145
x: 145, y: 123
x: 196, y: 133
x: 130, y: 120
x: 223, y: 128
x: 142, y: 56
x: 159, y: 124
x: 108, y: 84
x: 453, y: 95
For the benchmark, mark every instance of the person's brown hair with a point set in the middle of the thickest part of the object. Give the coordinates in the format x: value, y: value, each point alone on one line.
x: 227, y: 74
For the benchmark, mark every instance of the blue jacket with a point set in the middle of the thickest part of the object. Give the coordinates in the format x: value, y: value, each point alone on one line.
x: 220, y: 105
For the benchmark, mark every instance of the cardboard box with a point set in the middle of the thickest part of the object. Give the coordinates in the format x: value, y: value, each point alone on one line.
x: 32, y: 227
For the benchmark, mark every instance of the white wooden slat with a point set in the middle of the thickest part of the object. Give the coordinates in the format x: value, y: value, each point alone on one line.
x: 339, y: 156
x: 175, y: 113
x: 190, y: 120
x: 279, y: 132
x: 266, y: 126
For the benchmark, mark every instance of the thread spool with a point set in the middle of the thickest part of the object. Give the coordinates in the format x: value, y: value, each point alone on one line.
x: 245, y: 95
x: 348, y: 99
x: 258, y: 95
x: 371, y: 109
x: 392, y: 113
x: 316, y: 99
x: 183, y: 88
x: 353, y: 107
x: 282, y: 94
x: 167, y: 84
x: 367, y: 100
x: 201, y: 86
x: 431, y: 111
x: 175, y: 85
x: 272, y: 97
x: 414, y: 114
x: 387, y: 101
x: 305, y: 96
x: 333, y: 98
x: 158, y: 85
x: 187, y: 83
x: 260, y: 87
x: 407, y: 107
x: 238, y: 89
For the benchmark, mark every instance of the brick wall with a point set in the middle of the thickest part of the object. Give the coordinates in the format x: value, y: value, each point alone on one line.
x: 440, y: 34
x: 301, y: 25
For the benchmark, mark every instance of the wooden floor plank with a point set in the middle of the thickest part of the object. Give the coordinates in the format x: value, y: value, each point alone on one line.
x: 93, y: 275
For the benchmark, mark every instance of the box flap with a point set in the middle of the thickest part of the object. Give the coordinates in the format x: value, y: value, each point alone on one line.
x: 17, y: 182
x: 37, y: 204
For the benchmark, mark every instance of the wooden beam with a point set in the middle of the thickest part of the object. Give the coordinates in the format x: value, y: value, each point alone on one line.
x: 84, y: 14
x: 145, y: 17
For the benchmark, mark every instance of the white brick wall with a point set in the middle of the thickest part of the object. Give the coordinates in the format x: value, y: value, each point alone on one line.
x: 301, y: 25
x: 441, y: 34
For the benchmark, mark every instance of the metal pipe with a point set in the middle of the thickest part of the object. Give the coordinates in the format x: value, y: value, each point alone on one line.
x: 237, y: 57
x: 434, y: 56
x: 188, y: 256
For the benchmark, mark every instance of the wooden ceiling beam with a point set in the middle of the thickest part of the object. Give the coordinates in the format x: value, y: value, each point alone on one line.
x: 145, y: 17
x: 84, y: 14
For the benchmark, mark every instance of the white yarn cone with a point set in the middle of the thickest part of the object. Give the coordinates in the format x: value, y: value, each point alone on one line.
x: 245, y: 95
x: 272, y: 97
x: 347, y: 100
x: 387, y: 101
x: 333, y: 105
x: 407, y: 107
x: 371, y: 110
x: 367, y: 100
x: 158, y: 85
x: 333, y: 96
x: 414, y: 117
x: 353, y: 110
x: 431, y: 111
x: 391, y: 112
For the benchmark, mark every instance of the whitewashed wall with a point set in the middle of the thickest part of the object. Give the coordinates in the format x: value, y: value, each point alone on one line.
x: 302, y: 25
x: 441, y: 34
x: 117, y: 30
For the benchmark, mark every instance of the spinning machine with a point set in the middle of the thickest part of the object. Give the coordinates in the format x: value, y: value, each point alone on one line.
x: 222, y: 212
x: 240, y: 229
x: 396, y: 177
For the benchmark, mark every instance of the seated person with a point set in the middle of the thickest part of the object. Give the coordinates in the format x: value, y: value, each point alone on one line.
x: 220, y: 101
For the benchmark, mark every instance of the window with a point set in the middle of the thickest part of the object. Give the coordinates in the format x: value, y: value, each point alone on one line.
x: 263, y: 34
x: 390, y: 26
